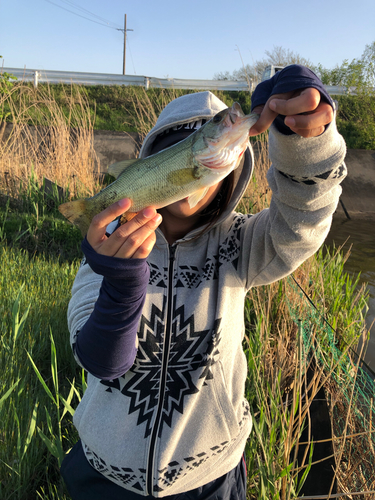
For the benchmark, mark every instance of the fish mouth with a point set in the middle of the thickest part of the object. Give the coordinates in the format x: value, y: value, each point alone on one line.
x: 226, y: 146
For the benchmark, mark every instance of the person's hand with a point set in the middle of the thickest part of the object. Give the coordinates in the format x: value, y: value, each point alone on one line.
x: 135, y: 239
x: 305, y: 112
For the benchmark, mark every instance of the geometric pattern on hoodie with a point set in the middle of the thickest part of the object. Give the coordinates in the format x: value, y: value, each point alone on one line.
x: 186, y: 356
x: 192, y: 276
x: 190, y: 350
x: 337, y: 173
x: 126, y: 476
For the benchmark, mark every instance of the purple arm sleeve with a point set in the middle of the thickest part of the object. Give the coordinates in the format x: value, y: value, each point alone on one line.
x: 105, y: 345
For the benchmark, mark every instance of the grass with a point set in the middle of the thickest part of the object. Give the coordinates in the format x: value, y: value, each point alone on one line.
x: 35, y: 291
x: 279, y: 359
x: 39, y: 257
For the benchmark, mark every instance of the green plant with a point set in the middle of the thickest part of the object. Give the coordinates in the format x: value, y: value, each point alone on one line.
x: 33, y: 302
x: 55, y: 443
x: 356, y: 110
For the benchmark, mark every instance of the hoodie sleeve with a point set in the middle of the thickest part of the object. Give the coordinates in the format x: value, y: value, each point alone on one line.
x: 305, y: 178
x: 103, y: 315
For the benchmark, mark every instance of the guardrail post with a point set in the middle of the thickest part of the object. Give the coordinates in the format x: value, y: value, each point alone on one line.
x: 36, y: 78
x: 147, y: 82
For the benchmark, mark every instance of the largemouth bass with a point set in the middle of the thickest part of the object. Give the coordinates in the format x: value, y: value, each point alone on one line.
x: 185, y: 170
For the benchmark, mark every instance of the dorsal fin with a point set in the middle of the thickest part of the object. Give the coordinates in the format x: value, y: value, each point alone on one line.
x: 117, y: 168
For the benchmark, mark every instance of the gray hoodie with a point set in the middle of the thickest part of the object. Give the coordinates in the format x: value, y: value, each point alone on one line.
x: 178, y: 418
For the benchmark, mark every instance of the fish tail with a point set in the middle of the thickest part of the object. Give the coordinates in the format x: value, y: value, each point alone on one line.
x: 77, y: 212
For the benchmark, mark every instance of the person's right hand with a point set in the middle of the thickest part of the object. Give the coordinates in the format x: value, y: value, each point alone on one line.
x: 135, y: 239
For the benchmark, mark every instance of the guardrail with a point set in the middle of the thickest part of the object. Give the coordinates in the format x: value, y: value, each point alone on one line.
x: 49, y: 76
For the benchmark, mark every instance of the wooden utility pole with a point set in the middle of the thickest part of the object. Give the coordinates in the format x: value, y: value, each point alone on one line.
x: 125, y: 30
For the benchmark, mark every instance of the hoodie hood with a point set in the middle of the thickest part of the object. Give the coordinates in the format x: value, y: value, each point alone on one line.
x: 187, y: 112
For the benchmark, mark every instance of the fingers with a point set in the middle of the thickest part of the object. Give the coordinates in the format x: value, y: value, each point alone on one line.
x: 144, y: 250
x: 304, y: 101
x: 96, y: 232
x: 305, y: 114
x: 311, y: 124
x: 135, y: 239
x: 265, y: 120
x: 267, y: 114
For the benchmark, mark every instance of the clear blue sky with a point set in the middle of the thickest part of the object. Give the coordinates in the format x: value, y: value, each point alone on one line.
x: 189, y: 39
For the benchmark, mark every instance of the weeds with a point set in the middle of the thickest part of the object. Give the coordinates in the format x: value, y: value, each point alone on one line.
x: 34, y: 298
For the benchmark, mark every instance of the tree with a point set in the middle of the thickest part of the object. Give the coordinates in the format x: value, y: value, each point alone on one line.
x: 349, y: 74
x: 359, y: 73
x: 368, y: 60
x: 356, y: 110
x: 279, y: 56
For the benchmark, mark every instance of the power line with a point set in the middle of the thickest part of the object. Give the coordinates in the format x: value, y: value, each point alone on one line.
x: 89, y: 12
x: 79, y: 15
x: 107, y: 23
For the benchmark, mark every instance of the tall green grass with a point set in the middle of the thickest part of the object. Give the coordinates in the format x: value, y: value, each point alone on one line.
x: 33, y: 303
x: 279, y: 359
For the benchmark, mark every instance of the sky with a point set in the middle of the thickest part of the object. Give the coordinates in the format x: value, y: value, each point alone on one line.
x: 193, y: 39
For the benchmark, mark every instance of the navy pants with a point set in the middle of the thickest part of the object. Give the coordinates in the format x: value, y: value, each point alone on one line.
x: 85, y: 483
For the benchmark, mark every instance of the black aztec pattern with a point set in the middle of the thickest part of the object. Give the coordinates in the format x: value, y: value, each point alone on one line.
x: 331, y: 174
x: 158, y: 277
x: 188, y: 276
x: 229, y: 249
x: 126, y: 476
x: 167, y: 475
x: 192, y: 353
x: 177, y: 470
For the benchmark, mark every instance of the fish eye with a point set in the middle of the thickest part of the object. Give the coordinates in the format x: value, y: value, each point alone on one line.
x: 217, y: 118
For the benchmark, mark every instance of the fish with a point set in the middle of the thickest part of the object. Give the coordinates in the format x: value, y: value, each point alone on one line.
x: 184, y: 170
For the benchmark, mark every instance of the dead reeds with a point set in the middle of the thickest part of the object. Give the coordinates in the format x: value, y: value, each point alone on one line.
x: 43, y: 140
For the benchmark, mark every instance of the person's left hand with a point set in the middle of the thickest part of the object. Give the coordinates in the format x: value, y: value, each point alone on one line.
x: 305, y: 112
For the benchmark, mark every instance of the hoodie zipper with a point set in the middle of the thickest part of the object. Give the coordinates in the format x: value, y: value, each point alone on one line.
x: 163, y: 374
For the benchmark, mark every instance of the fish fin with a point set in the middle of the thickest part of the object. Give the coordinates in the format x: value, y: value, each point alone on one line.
x: 127, y: 216
x: 196, y: 197
x: 77, y: 213
x: 116, y: 169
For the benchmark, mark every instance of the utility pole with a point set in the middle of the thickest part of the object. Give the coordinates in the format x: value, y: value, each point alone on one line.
x: 124, y: 30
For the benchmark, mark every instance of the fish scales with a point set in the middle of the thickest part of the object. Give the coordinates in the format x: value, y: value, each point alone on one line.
x: 184, y: 170
x: 153, y: 180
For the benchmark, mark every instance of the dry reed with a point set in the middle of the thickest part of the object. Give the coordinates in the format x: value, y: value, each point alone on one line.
x: 145, y: 106
x: 42, y: 140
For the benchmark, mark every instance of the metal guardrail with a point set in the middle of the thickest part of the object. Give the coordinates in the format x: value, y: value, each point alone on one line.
x: 48, y: 76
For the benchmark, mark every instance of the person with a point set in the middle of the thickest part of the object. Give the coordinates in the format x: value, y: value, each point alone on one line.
x: 157, y: 309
